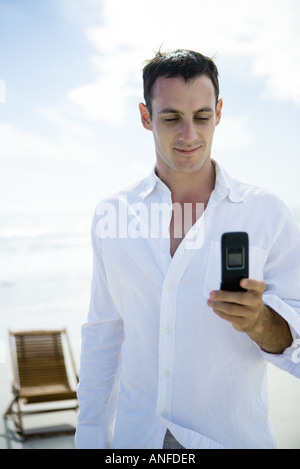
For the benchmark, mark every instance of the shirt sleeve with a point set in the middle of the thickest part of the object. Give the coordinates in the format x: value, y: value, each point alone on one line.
x: 102, y: 338
x: 282, y: 277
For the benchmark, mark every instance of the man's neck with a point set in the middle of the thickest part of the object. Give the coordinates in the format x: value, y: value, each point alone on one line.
x: 190, y: 187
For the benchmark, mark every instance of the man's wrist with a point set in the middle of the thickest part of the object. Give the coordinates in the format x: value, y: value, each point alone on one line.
x: 271, y: 331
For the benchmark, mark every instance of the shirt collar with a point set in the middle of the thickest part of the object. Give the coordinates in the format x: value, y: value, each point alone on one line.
x: 151, y: 183
x: 225, y: 185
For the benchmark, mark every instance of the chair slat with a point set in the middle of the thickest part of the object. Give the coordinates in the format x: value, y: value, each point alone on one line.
x: 41, y: 359
x: 40, y: 373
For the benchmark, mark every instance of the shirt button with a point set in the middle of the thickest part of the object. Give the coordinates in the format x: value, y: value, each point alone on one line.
x: 168, y: 330
x: 169, y: 286
x: 166, y: 373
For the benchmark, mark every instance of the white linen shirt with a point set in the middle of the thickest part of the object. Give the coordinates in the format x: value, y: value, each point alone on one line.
x: 154, y: 355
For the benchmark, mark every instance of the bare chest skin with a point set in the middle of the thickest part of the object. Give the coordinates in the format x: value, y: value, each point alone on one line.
x: 184, y: 216
x: 174, y: 241
x: 190, y: 196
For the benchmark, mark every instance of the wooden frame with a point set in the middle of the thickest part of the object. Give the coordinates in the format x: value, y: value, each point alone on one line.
x: 40, y: 374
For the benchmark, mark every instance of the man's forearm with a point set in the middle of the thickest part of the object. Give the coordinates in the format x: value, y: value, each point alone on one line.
x: 247, y: 313
x: 271, y: 332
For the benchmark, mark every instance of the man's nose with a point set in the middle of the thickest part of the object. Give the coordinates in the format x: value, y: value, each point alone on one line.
x: 188, y: 133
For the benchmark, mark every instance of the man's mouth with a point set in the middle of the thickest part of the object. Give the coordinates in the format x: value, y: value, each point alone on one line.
x: 187, y: 151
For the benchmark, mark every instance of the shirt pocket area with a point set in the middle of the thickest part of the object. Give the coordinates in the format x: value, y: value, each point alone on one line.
x: 212, y: 278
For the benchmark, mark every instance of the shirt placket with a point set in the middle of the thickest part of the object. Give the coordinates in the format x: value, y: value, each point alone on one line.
x: 173, y: 270
x: 168, y: 315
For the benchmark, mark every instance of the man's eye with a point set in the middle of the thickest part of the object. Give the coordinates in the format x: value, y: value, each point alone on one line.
x: 202, y: 118
x: 171, y: 119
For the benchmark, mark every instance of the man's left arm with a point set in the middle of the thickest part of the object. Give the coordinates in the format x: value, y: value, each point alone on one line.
x: 247, y: 313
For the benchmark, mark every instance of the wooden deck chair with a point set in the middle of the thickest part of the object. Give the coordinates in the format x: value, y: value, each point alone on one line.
x: 40, y: 373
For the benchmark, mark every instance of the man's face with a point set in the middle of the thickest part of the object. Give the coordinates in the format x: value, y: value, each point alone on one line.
x: 184, y: 117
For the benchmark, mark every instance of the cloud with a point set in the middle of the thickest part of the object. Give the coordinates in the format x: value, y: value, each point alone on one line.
x: 73, y: 155
x: 232, y: 133
x: 276, y: 52
x: 66, y: 124
x: 105, y: 99
x: 39, y: 171
x: 27, y: 149
x: 262, y: 34
x: 79, y: 12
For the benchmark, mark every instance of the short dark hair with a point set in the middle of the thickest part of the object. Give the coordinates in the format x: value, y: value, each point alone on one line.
x: 181, y: 62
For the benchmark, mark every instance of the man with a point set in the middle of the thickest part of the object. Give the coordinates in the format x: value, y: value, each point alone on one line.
x: 168, y: 359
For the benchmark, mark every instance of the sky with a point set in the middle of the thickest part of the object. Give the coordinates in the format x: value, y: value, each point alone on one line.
x: 71, y: 81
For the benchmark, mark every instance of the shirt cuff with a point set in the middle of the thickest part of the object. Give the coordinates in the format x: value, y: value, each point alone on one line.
x: 289, y: 360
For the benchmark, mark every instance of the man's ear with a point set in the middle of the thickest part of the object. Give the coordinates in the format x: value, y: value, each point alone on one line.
x: 219, y: 111
x: 145, y: 116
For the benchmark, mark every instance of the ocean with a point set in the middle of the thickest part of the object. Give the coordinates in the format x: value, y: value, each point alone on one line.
x: 45, y: 274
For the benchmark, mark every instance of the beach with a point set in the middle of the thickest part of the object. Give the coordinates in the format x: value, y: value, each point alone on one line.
x: 45, y: 284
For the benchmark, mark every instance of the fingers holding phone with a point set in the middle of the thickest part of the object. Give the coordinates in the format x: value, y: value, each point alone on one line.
x: 242, y: 309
